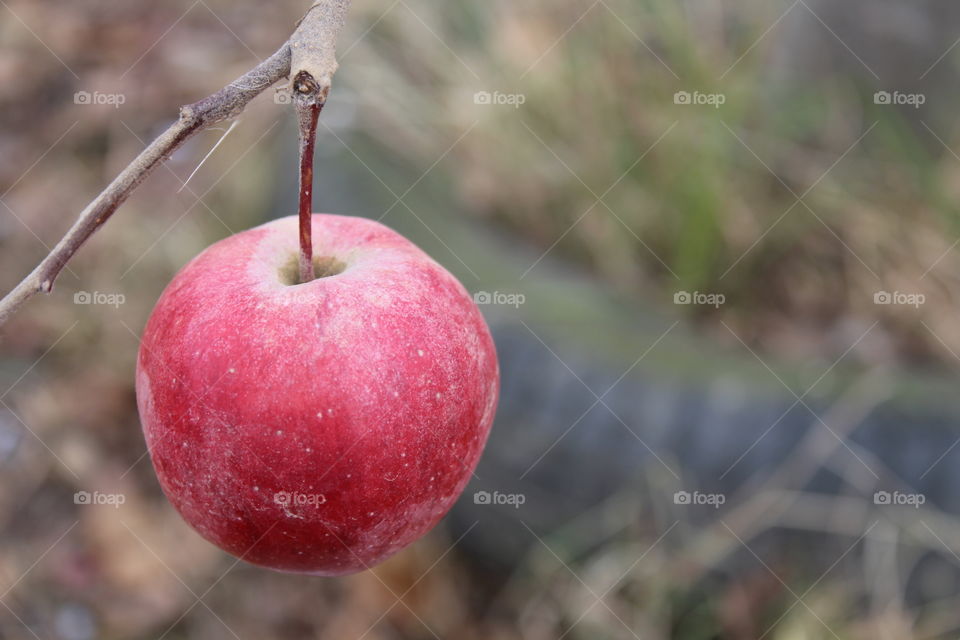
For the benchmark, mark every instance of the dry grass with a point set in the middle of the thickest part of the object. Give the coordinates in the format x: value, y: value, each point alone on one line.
x: 694, y: 198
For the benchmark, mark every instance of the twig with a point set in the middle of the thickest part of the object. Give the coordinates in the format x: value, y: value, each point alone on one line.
x: 310, y: 50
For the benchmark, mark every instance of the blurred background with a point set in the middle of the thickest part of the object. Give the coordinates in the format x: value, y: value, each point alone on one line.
x: 717, y: 246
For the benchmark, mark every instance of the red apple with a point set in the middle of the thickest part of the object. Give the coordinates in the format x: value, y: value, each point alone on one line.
x: 315, y: 427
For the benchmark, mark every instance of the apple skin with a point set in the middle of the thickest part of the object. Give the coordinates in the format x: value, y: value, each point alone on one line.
x: 316, y: 427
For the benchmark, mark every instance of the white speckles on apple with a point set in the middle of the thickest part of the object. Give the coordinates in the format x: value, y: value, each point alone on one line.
x: 290, y: 514
x: 420, y: 352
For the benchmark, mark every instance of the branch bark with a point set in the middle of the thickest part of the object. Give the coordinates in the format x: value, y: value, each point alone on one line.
x: 308, y: 58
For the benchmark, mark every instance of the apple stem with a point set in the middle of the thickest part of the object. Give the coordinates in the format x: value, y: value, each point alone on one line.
x: 309, y: 102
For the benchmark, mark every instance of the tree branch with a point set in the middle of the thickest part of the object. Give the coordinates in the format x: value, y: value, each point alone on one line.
x: 307, y: 58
